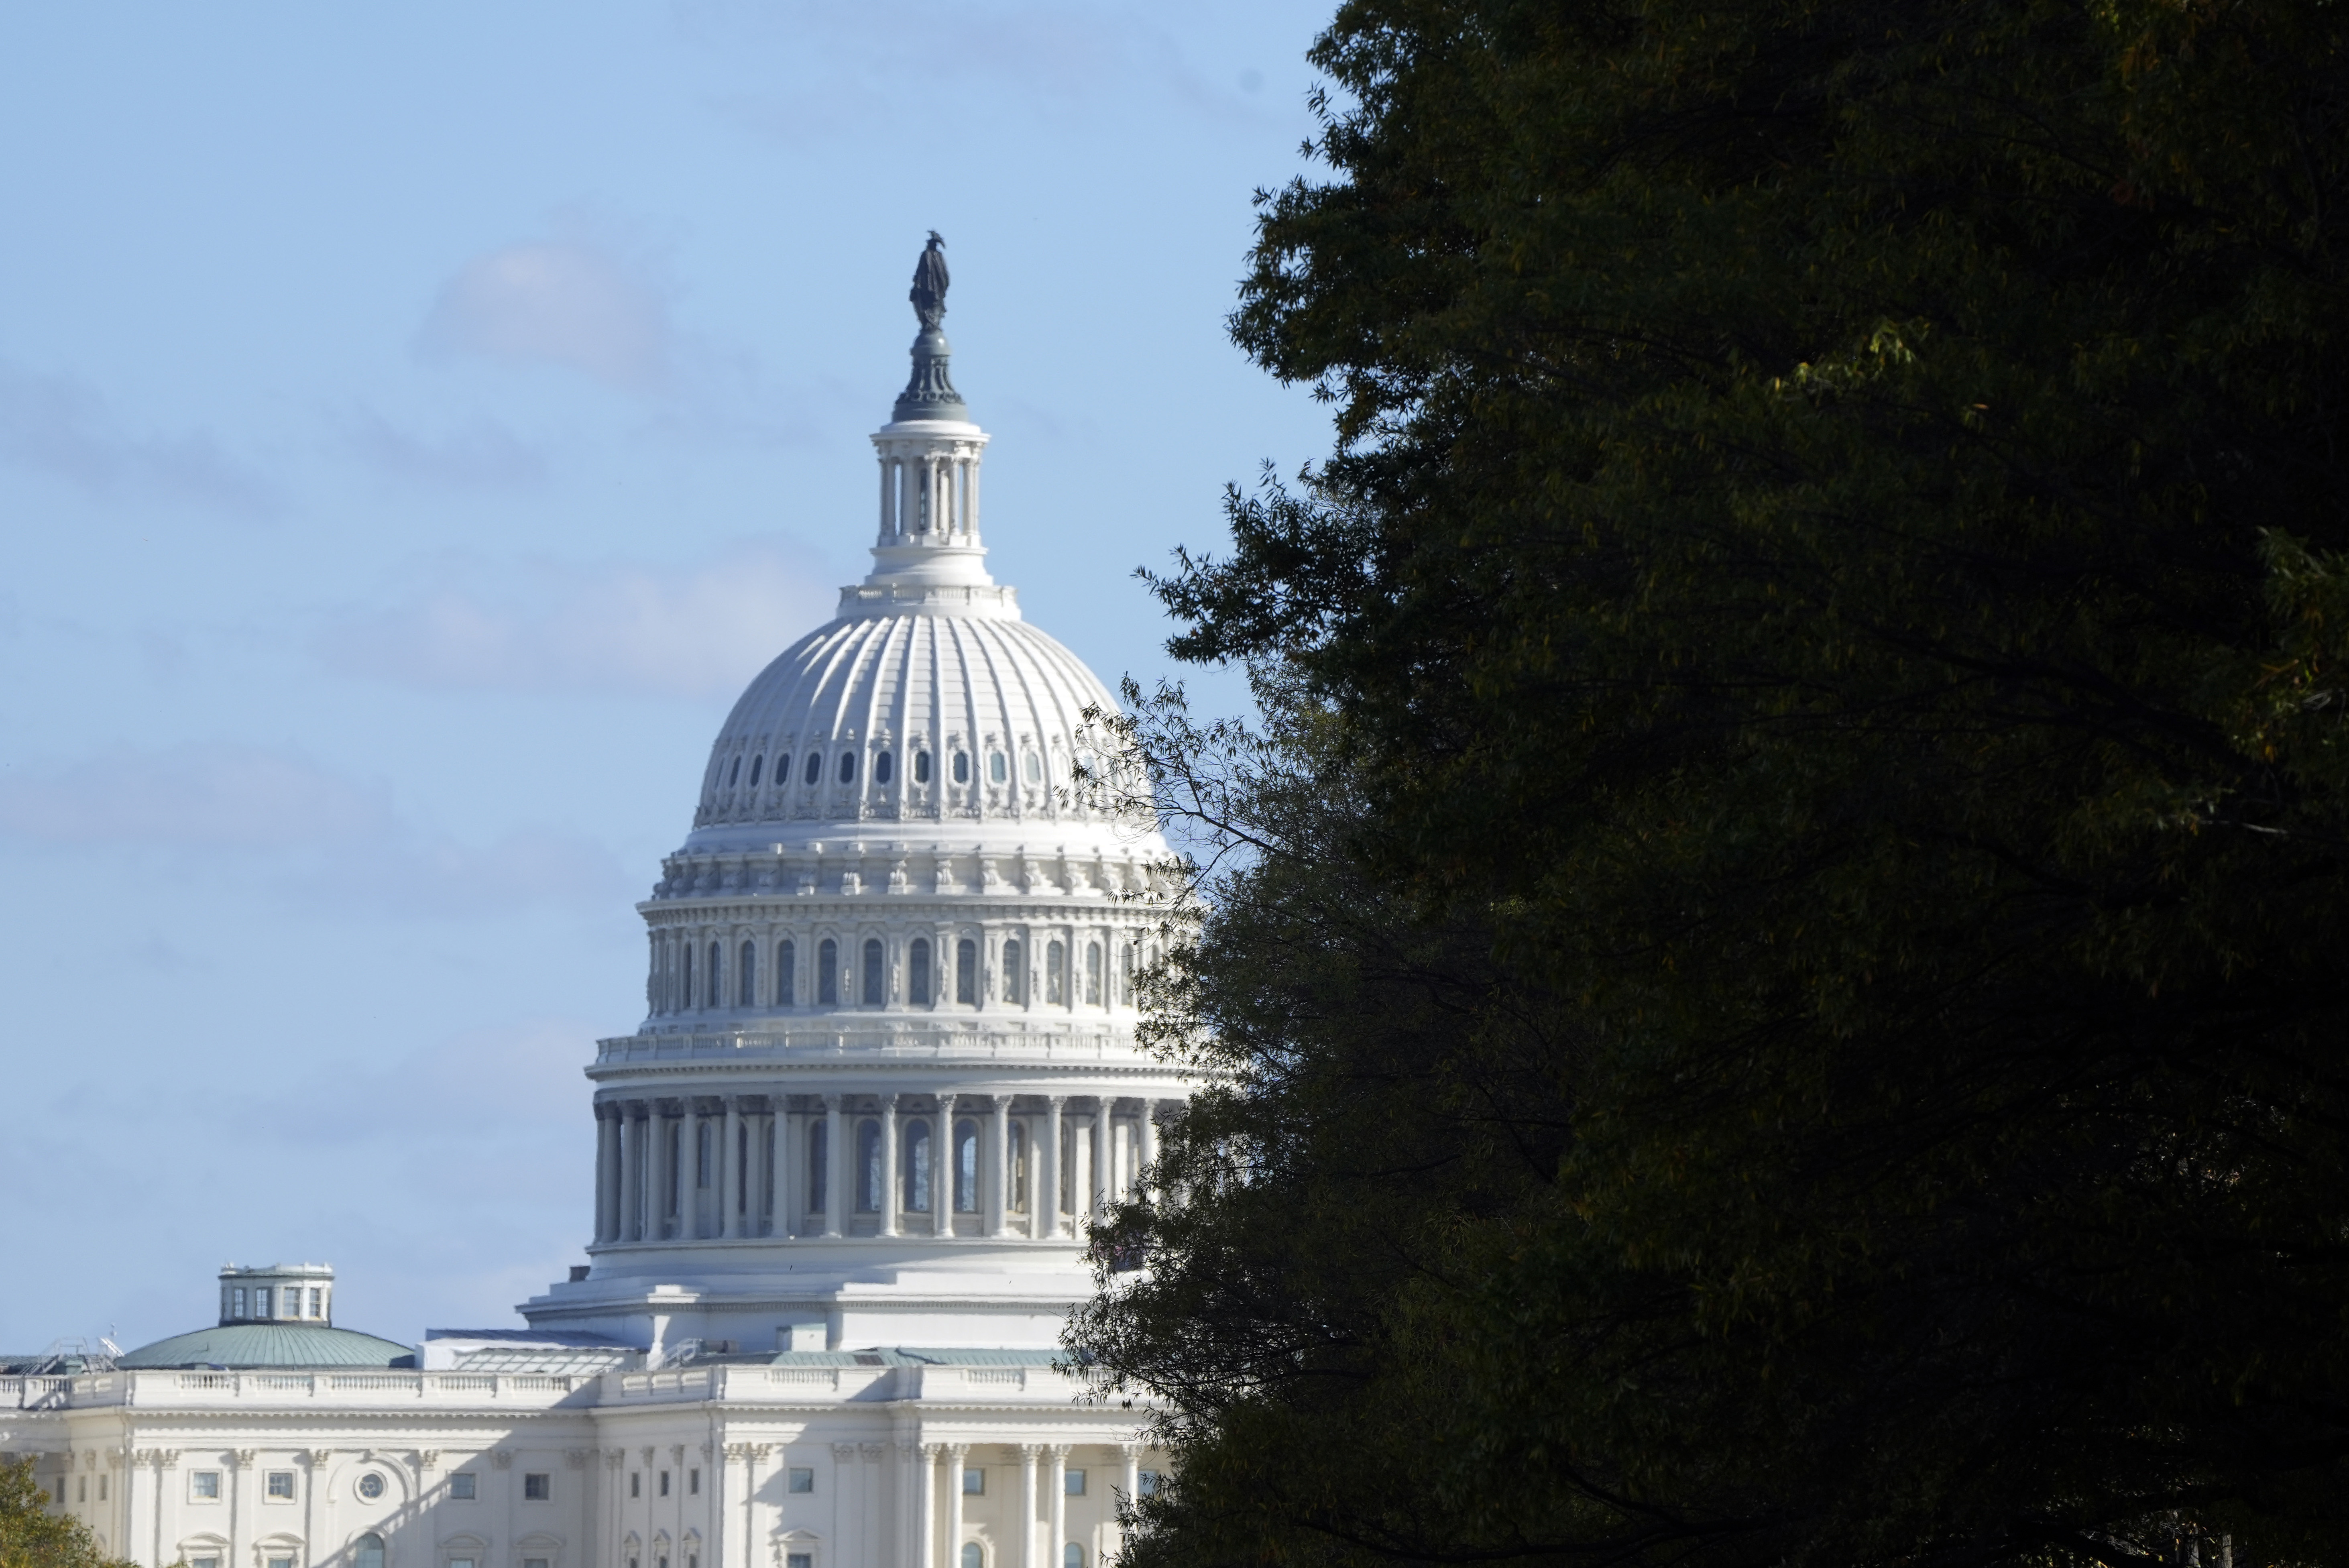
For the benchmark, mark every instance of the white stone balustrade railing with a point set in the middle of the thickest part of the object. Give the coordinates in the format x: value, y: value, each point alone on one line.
x: 357, y: 1387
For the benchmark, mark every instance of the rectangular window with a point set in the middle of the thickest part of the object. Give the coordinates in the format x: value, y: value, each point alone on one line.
x: 60, y: 1489
x: 277, y: 1486
x: 693, y: 1482
x: 279, y: 1563
x: 101, y: 1489
x: 81, y: 1488
x: 802, y: 1479
x: 799, y: 1560
x: 204, y: 1563
x: 537, y: 1488
x: 534, y: 1563
x: 261, y: 1300
x: 1073, y: 1482
x: 317, y: 1301
x: 463, y: 1486
x: 1145, y: 1482
x: 236, y: 1301
x: 461, y: 1562
x: 201, y: 1484
x: 636, y: 1483
x: 973, y: 1482
x: 663, y: 1483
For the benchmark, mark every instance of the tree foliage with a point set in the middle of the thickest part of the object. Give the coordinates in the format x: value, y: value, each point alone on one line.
x: 31, y: 1536
x: 1783, y: 993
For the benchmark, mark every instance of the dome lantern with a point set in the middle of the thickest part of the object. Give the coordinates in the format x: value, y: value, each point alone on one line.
x: 929, y: 454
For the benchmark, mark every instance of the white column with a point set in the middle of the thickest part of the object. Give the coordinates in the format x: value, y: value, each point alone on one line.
x: 665, y: 1163
x: 607, y: 1152
x: 955, y: 1456
x: 970, y: 520
x: 885, y: 497
x: 1057, y: 1504
x: 1129, y: 1482
x: 778, y: 1164
x: 926, y: 1507
x: 942, y: 1169
x: 1044, y: 1205
x: 998, y: 1183
x: 1028, y: 1454
x: 689, y: 1170
x: 1148, y: 1133
x: 1098, y: 1149
x: 833, y: 1205
x: 888, y: 1193
x: 632, y: 1175
x: 730, y: 1177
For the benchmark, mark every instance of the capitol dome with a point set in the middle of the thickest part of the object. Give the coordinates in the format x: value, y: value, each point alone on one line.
x: 889, y: 1072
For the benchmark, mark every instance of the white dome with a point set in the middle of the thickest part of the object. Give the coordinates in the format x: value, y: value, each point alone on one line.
x: 928, y: 707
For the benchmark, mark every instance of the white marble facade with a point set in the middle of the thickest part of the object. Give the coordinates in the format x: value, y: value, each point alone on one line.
x: 844, y: 1168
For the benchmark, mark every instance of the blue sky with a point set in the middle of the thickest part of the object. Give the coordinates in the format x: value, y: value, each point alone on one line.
x: 416, y: 424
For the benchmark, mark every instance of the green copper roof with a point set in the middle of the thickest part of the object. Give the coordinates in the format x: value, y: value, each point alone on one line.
x: 270, y: 1345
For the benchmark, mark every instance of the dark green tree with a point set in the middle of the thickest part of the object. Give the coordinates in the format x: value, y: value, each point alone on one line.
x: 1777, y: 973
x: 32, y: 1535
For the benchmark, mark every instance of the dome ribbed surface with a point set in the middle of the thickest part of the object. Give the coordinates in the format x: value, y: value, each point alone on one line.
x: 884, y: 690
x: 246, y: 1344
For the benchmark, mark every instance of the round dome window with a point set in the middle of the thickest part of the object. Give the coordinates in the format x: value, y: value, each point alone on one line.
x: 370, y: 1486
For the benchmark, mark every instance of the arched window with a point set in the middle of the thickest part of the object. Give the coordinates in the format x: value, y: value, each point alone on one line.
x: 815, y: 766
x: 873, y: 972
x: 965, y: 1168
x: 1014, y: 975
x: 1056, y: 979
x: 685, y: 991
x: 716, y: 991
x: 972, y: 1557
x: 967, y: 972
x: 827, y: 973
x: 868, y: 1166
x: 962, y: 767
x: 1092, y: 974
x: 884, y: 768
x: 734, y: 773
x: 1030, y: 768
x: 786, y: 973
x: 746, y: 977
x: 921, y: 767
x: 819, y: 1167
x: 916, y: 1194
x: 783, y: 770
x: 756, y: 763
x: 997, y: 770
x: 368, y: 1552
x: 1017, y: 1154
x: 1072, y: 1555
x: 917, y: 972
x: 848, y: 767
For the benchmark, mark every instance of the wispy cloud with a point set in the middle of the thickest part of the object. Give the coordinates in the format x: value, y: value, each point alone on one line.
x: 619, y: 628
x: 573, y: 303
x: 61, y: 427
x: 483, y: 455
x: 304, y: 831
x: 199, y: 794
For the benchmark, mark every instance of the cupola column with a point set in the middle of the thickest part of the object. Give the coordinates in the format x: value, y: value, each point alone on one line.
x: 834, y: 1203
x: 631, y: 1178
x: 607, y: 1145
x: 1044, y: 1207
x: 998, y: 1164
x: 886, y: 1199
x: 731, y: 1178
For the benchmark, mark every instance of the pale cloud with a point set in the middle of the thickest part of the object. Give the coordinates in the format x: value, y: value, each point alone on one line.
x: 483, y: 455
x: 62, y: 428
x: 571, y: 303
x: 197, y: 794
x: 698, y: 632
x: 307, y: 834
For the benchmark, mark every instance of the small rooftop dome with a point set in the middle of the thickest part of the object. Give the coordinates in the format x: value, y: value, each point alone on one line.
x: 279, y: 1315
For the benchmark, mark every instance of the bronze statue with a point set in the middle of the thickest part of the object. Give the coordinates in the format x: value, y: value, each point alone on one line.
x: 929, y: 295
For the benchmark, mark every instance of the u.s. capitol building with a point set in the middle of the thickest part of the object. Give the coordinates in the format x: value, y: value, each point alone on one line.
x: 844, y: 1168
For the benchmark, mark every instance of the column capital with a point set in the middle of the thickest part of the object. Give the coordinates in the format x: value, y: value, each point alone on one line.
x: 843, y: 1453
x: 957, y: 1452
x: 833, y: 1101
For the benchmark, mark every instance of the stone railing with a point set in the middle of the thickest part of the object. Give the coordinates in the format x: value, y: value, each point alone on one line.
x: 346, y: 1388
